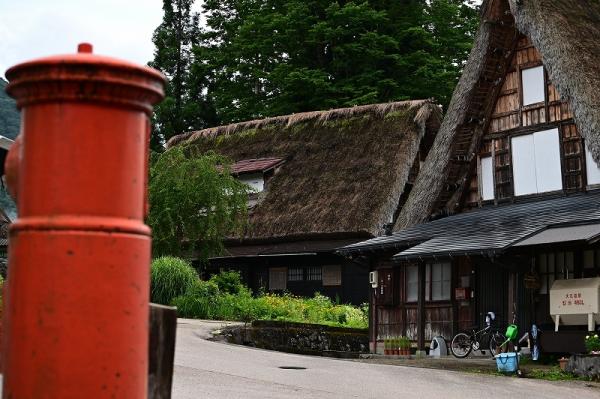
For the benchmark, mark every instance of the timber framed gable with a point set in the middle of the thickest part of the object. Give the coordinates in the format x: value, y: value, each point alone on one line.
x: 511, y: 117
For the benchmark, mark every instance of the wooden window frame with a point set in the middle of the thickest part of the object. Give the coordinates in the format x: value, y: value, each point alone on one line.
x: 332, y: 275
x: 273, y: 270
x: 428, y: 284
x: 295, y: 274
x: 313, y: 273
x: 544, y: 87
x: 556, y: 274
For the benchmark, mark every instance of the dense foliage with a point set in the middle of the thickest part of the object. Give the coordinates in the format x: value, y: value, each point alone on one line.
x: 194, y: 203
x: 206, y: 301
x: 272, y: 57
x: 225, y: 297
x: 185, y: 106
x: 170, y: 277
x: 9, y: 116
x: 228, y: 282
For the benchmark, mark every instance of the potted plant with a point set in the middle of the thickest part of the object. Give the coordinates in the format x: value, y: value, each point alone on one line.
x: 405, y: 346
x: 562, y: 362
x: 592, y: 344
x: 395, y: 346
x: 386, y: 346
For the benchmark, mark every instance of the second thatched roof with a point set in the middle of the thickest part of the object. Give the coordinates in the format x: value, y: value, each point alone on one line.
x: 344, y: 170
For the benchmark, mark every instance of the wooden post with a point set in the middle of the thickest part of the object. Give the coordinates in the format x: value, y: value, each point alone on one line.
x: 512, y: 297
x: 373, y: 320
x: 161, y: 350
x: 421, y: 309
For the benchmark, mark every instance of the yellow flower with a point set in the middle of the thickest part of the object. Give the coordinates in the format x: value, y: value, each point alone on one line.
x: 587, y: 337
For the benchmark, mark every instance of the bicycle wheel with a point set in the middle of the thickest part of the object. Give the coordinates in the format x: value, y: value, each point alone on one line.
x: 496, y: 341
x: 461, y: 345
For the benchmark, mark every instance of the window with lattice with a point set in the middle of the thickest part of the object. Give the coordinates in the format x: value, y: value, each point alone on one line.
x: 295, y: 274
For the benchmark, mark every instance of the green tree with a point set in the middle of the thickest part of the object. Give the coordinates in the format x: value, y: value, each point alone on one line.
x: 194, y: 203
x: 453, y: 24
x: 275, y: 57
x: 185, y: 106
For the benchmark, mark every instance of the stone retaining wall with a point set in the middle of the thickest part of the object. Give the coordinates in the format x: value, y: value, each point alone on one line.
x: 584, y: 366
x: 302, y: 338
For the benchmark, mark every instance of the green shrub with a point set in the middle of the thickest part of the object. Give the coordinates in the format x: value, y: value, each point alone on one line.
x: 229, y: 282
x: 192, y: 307
x: 592, y: 343
x: 169, y: 278
x: 207, y: 289
x: 224, y: 297
x: 199, y: 302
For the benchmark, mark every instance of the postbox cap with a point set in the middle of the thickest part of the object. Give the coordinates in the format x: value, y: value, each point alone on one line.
x: 84, y: 76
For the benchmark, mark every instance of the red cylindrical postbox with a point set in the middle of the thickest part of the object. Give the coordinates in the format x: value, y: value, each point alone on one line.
x: 78, y: 280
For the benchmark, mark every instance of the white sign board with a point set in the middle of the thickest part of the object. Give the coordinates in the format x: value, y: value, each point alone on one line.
x: 575, y: 302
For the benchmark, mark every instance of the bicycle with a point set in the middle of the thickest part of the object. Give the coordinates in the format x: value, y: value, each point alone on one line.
x: 464, y: 342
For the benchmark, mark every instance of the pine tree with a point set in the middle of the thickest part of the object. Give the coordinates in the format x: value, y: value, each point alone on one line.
x: 185, y: 106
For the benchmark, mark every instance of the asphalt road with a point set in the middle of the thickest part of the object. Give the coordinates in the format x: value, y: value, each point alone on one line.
x: 205, y: 369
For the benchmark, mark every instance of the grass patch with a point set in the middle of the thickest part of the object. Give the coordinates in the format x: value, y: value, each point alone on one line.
x: 552, y: 374
x: 532, y: 371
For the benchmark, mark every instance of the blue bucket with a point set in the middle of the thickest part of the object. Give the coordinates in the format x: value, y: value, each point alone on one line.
x: 507, y: 362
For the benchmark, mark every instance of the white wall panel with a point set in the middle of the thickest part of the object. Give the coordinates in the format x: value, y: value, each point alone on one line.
x: 487, y: 179
x: 591, y: 167
x: 547, y: 160
x: 533, y: 85
x: 523, y: 158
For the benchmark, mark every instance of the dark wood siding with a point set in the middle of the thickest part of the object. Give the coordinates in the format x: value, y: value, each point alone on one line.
x: 491, y: 292
x: 354, y: 288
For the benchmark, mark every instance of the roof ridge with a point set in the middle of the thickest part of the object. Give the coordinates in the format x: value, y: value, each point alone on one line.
x: 381, y: 109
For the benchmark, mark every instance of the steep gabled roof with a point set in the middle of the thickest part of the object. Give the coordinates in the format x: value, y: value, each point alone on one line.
x: 566, y: 33
x: 344, y: 171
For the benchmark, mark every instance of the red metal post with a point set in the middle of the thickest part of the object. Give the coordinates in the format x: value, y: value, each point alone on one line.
x: 78, y: 280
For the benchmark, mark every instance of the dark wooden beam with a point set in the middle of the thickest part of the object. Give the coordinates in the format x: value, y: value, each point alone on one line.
x: 161, y: 351
x: 421, y: 308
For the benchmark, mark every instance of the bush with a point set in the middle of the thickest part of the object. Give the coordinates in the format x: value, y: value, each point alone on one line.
x: 592, y: 343
x: 224, y: 297
x: 169, y: 278
x: 229, y: 282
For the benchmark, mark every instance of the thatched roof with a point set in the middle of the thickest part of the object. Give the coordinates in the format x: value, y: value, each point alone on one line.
x: 344, y: 170
x: 566, y: 33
